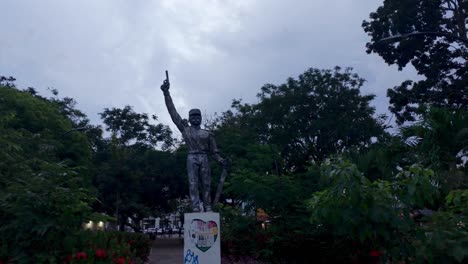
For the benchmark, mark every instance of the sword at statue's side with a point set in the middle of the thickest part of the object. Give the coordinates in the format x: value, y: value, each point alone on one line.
x: 222, y: 178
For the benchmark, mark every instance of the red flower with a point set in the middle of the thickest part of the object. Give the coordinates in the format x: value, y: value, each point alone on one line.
x: 120, y: 260
x: 81, y: 255
x: 375, y: 253
x: 101, y: 253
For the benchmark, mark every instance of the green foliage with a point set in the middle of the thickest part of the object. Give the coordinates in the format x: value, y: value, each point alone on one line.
x: 446, y: 232
x: 357, y: 209
x: 239, y: 142
x: 432, y: 36
x: 128, y: 125
x: 457, y: 201
x: 44, y: 186
x: 437, y: 142
x: 380, y: 214
x: 275, y: 145
x: 307, y: 119
x: 130, y: 183
x: 39, y: 210
x: 416, y: 188
x: 282, y: 198
x: 441, y: 143
x: 382, y: 160
x: 252, y: 243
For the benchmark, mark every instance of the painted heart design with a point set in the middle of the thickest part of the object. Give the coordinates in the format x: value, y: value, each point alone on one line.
x: 203, y: 234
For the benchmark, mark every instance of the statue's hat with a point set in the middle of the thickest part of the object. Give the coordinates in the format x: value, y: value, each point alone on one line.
x: 195, y: 112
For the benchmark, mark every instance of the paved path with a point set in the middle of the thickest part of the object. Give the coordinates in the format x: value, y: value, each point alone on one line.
x: 166, y: 251
x: 170, y: 251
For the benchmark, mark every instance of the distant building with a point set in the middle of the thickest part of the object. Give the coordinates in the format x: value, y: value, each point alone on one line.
x: 171, y: 221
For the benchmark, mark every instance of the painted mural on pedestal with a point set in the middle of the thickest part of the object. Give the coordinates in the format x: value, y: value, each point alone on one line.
x: 201, y: 238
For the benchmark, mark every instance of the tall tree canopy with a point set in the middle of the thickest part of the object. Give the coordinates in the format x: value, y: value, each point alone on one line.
x: 127, y: 125
x: 432, y: 36
x: 45, y: 188
x: 309, y: 118
x: 133, y: 177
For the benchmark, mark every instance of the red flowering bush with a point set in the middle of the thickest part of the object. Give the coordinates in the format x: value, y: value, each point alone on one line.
x: 107, y: 247
x: 80, y: 255
x: 101, y: 253
x: 120, y: 260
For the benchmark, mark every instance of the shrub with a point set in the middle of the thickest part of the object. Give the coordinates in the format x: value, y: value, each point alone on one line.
x: 106, y: 247
x: 238, y: 233
x: 444, y: 237
x: 374, y: 215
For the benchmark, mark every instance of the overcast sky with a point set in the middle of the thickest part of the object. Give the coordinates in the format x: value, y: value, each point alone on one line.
x: 112, y: 53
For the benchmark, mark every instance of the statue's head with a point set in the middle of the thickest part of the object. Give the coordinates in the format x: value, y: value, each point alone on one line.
x: 195, y: 117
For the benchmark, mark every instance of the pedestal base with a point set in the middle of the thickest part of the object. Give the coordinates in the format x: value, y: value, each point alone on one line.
x: 202, y: 238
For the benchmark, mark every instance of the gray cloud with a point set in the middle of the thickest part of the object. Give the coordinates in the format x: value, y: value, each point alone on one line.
x: 114, y: 53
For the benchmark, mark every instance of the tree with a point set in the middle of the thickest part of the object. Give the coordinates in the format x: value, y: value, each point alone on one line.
x: 432, y: 36
x: 128, y: 125
x: 134, y: 178
x: 374, y: 216
x: 45, y: 190
x: 383, y: 160
x: 276, y: 144
x: 309, y: 118
x: 440, y: 142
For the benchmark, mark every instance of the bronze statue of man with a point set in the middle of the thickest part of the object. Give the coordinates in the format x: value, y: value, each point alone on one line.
x: 200, y: 144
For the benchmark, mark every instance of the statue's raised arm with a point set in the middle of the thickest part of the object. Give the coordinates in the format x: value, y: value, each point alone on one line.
x: 170, y: 105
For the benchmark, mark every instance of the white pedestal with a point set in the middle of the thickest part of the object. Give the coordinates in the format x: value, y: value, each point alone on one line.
x: 202, y: 238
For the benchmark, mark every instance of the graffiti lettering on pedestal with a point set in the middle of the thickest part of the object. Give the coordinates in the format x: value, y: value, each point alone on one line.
x: 190, y: 257
x: 203, y: 234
